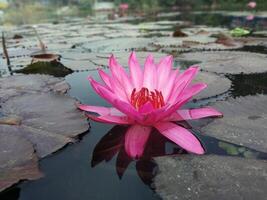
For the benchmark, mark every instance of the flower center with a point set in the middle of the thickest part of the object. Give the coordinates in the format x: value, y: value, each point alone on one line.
x: 140, y: 98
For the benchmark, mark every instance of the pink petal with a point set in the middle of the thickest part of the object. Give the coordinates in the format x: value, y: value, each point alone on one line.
x: 105, y: 78
x: 187, y: 94
x: 136, y: 139
x: 169, y: 85
x: 167, y: 110
x: 163, y: 70
x: 191, y: 91
x: 182, y: 81
x: 156, y: 115
x: 120, y: 76
x: 111, y: 119
x: 136, y: 71
x: 119, y: 90
x: 150, y: 74
x: 100, y: 110
x: 122, y: 106
x: 104, y: 92
x: 180, y: 136
x: 191, y: 114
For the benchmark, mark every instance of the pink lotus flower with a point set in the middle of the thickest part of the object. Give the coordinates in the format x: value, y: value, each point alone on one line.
x: 252, y: 4
x: 147, y: 98
x: 250, y: 17
x: 124, y: 6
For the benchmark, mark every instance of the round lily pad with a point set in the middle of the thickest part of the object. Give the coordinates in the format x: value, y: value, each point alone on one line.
x: 216, y: 84
x: 244, y: 122
x: 210, y: 177
x: 229, y: 62
x: 119, y: 44
x: 178, y: 42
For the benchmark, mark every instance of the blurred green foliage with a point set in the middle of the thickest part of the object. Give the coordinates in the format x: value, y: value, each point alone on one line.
x: 193, y: 4
x: 23, y: 13
x: 150, y: 4
x: 32, y: 11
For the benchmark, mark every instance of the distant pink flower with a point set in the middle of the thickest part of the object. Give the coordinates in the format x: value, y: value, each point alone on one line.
x: 252, y: 4
x: 147, y: 98
x: 250, y: 17
x: 124, y: 6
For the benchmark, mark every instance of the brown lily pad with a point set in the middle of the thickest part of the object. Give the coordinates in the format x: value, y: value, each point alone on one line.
x: 179, y: 33
x: 211, y: 177
x: 45, y: 121
x: 17, y: 159
x: 244, y: 122
x: 229, y: 62
x: 34, y: 96
x: 35, y: 121
x: 45, y: 57
x: 21, y: 84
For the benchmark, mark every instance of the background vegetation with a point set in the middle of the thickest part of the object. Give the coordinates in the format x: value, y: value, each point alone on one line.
x: 22, y: 11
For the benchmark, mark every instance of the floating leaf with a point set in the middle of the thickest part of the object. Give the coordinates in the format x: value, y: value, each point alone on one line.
x: 34, y: 122
x: 50, y: 68
x: 239, y: 32
x: 210, y: 177
x: 17, y: 159
x: 229, y: 62
x: 216, y: 84
x: 244, y: 122
x: 229, y: 148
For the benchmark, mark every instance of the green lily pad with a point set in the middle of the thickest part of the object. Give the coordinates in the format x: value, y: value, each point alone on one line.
x: 230, y: 149
x: 50, y: 68
x: 240, y: 32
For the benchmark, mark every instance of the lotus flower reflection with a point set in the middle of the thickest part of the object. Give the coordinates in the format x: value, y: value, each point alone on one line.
x: 147, y: 98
